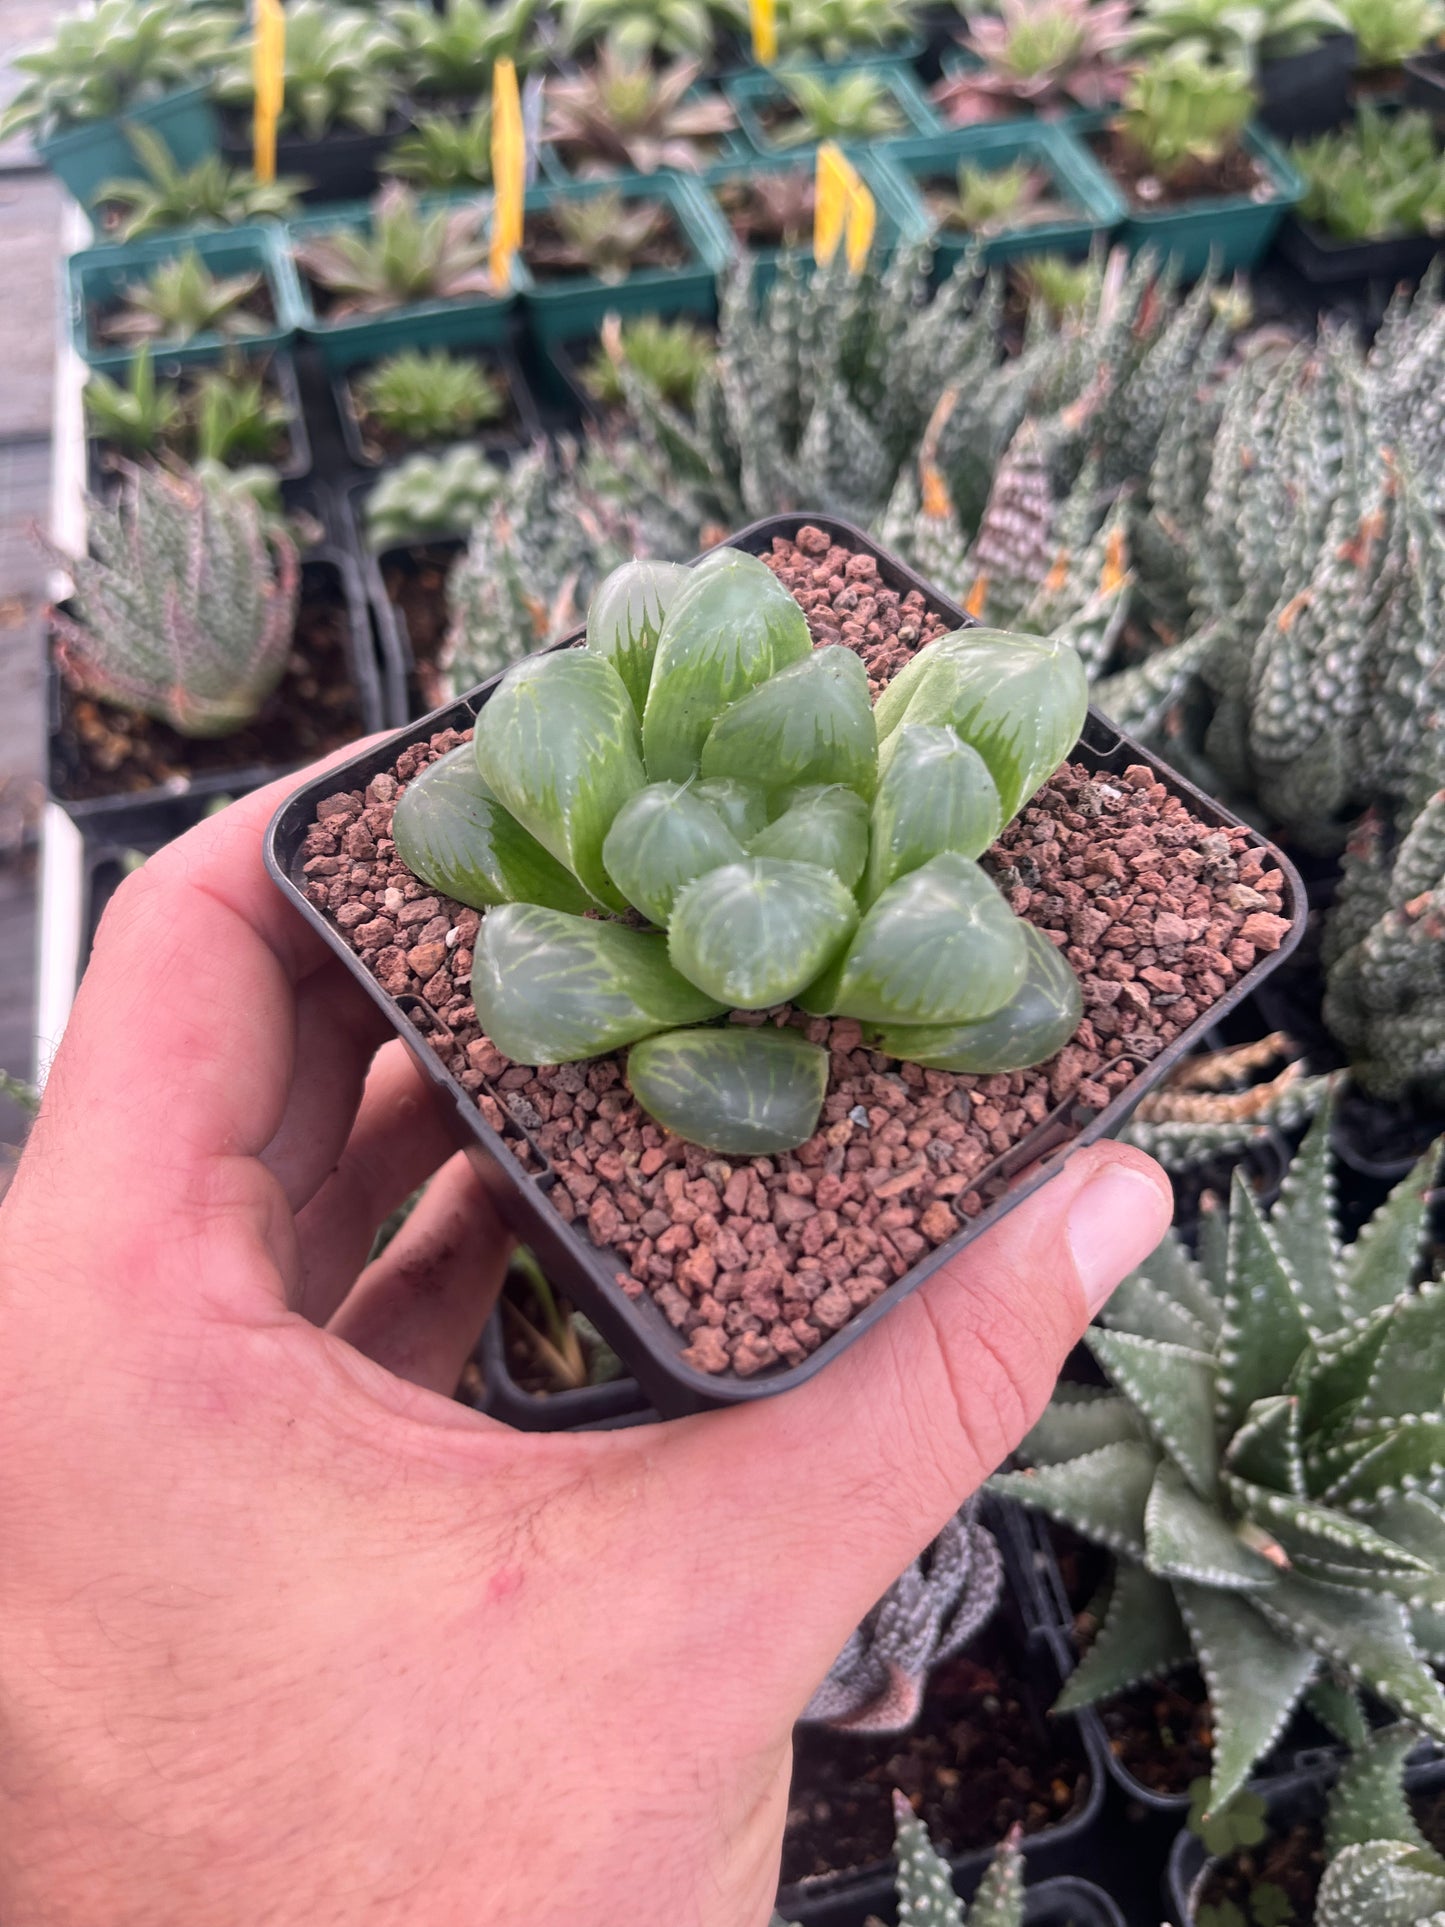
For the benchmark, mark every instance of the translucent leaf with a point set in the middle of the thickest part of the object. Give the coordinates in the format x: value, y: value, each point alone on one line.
x: 743, y: 808
x: 1038, y: 1020
x: 1264, y: 1330
x: 938, y: 947
x: 755, y: 933
x: 1368, y: 1800
x: 936, y: 796
x: 1142, y: 1637
x: 1173, y: 1391
x: 1268, y: 1447
x: 733, y: 626
x: 744, y: 1092
x: 661, y: 838
x: 1382, y: 1260
x: 1102, y: 1495
x: 1255, y: 1677
x: 810, y: 723
x: 558, y: 744
x: 826, y: 825
x: 1303, y: 1223
x: 1365, y: 1633
x: 1186, y: 1538
x: 453, y: 833
x: 625, y: 617
x: 1079, y: 1419
x: 1019, y: 701
x: 550, y: 988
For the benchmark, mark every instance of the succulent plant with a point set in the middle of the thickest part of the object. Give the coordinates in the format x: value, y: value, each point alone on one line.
x: 430, y: 495
x: 559, y: 1342
x: 444, y: 152
x: 181, y: 299
x: 343, y: 68
x: 770, y: 210
x: 1183, y: 110
x: 1267, y: 1466
x: 623, y: 113
x: 929, y: 1614
x: 852, y: 107
x: 451, y: 51
x: 1383, y: 174
x: 118, y: 55
x: 990, y: 200
x: 1045, y: 55
x: 924, y: 1881
x: 1257, y: 31
x: 1197, y: 1115
x: 185, y: 608
x: 606, y: 235
x: 672, y: 357
x: 1054, y: 285
x: 639, y: 29
x: 1382, y: 1871
x: 137, y: 416
x: 912, y: 793
x: 430, y: 395
x: 403, y: 256
x: 237, y: 416
x: 841, y: 29
x: 209, y: 195
x: 1389, y: 31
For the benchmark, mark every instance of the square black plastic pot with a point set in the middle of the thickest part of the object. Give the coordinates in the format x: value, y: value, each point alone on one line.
x: 503, y: 441
x: 343, y: 165
x: 398, y: 657
x: 1425, y: 83
x: 638, y: 1330
x: 1308, y: 94
x: 1326, y: 263
x: 583, y: 1410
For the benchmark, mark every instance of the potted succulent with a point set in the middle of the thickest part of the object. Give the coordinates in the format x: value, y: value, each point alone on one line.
x: 124, y: 65
x: 1387, y: 34
x: 1301, y: 53
x: 198, y: 651
x: 451, y: 50
x: 544, y: 1366
x: 738, y: 1089
x: 621, y: 116
x: 1008, y: 189
x: 837, y: 31
x: 1049, y: 57
x: 1374, y: 200
x: 672, y: 357
x: 343, y: 108
x: 188, y: 296
x: 798, y: 106
x: 235, y: 412
x: 670, y: 29
x: 418, y: 399
x: 769, y: 205
x: 398, y: 272
x: 168, y: 196
x: 444, y: 153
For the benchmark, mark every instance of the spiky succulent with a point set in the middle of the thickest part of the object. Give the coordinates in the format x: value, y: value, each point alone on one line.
x: 344, y: 67
x: 606, y: 235
x: 1183, y: 110
x: 118, y: 55
x: 208, y: 195
x: 229, y: 414
x: 990, y: 200
x: 181, y: 299
x: 672, y: 357
x: 136, y: 416
x: 451, y: 51
x: 184, y: 610
x: 1382, y: 1871
x: 1269, y: 1465
x: 1258, y: 31
x: 700, y: 762
x: 430, y: 395
x: 237, y: 415
x: 675, y: 29
x: 401, y: 256
x: 623, y: 113
x: 1383, y: 174
x: 430, y: 495
x: 444, y: 152
x: 923, y: 1881
x: 851, y: 107
x: 930, y: 1613
x: 842, y: 29
x: 1047, y: 55
x: 1208, y: 1107
x: 1389, y: 31
x: 770, y: 210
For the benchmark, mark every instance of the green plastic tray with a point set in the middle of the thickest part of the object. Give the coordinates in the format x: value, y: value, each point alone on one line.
x: 751, y: 91
x: 85, y: 157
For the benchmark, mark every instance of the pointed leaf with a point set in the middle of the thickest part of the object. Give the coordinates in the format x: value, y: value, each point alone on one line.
x: 1368, y: 1800
x: 1079, y: 1419
x: 1368, y: 1636
x: 732, y: 627
x: 1409, y: 1372
x: 1409, y: 1453
x: 1038, y: 1020
x: 826, y: 825
x: 1171, y: 1270
x: 1309, y: 1531
x: 1268, y: 1447
x: 1142, y: 1309
x: 999, y: 1901
x: 1303, y: 1223
x: 550, y: 988
x: 1264, y: 1330
x: 625, y: 617
x: 1380, y: 1885
x: 1337, y: 1708
x: 755, y: 933
x: 922, y: 1878
x: 1173, y: 1391
x: 1415, y: 1522
x: 660, y: 839
x: 938, y: 947
x: 558, y: 745
x: 1142, y: 1637
x: 1255, y: 1677
x: 810, y: 723
x: 453, y: 833
x: 744, y: 1092
x: 1381, y: 1262
x: 743, y: 808
x: 937, y: 795
x: 1186, y: 1538
x: 1333, y: 1376
x: 1102, y: 1495
x: 1427, y: 1631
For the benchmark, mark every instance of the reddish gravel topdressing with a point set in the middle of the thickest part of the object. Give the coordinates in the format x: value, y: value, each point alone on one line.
x: 758, y: 1260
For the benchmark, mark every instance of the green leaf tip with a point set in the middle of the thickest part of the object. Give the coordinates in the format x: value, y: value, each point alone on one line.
x: 745, y: 1092
x: 451, y: 831
x: 625, y: 618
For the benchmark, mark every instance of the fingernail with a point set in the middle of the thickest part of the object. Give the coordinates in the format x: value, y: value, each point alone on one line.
x: 1113, y: 1225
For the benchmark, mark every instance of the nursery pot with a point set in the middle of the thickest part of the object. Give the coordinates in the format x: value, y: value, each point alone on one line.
x: 1425, y: 82
x: 556, y: 168
x: 521, y: 1176
x: 85, y: 157
x: 753, y: 92
x: 1308, y: 94
x: 399, y: 657
x: 518, y: 428
x: 585, y: 1409
x: 343, y: 164
x: 1326, y: 263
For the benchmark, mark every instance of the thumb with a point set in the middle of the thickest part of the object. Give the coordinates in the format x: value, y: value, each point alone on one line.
x: 833, y: 1488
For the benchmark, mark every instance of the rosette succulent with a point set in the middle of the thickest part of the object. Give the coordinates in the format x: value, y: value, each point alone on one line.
x: 700, y: 765
x: 1043, y: 55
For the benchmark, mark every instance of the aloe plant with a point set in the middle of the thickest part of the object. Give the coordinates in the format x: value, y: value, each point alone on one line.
x: 840, y: 29
x: 450, y: 52
x: 181, y: 299
x: 136, y: 416
x: 639, y: 29
x: 1382, y: 175
x: 404, y: 256
x: 990, y: 200
x: 444, y: 152
x: 344, y: 66
x: 118, y: 55
x: 737, y: 703
x: 606, y: 235
x: 237, y: 415
x: 1382, y: 1871
x: 853, y: 107
x: 210, y: 194
x: 1042, y: 55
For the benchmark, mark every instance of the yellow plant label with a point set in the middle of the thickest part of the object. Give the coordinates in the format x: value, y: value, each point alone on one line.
x: 764, y: 17
x: 268, y: 73
x: 862, y: 222
x: 509, y: 171
x: 843, y: 209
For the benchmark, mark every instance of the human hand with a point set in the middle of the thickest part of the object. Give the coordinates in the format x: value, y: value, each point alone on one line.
x: 287, y: 1635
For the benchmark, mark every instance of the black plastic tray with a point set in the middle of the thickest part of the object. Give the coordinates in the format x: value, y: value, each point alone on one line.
x: 638, y: 1331
x: 584, y: 1410
x: 1327, y: 264
x: 1307, y: 94
x: 343, y: 165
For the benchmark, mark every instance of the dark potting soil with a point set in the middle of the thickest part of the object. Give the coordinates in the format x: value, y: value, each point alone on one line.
x: 753, y: 218
x: 1237, y: 172
x: 758, y: 1260
x: 104, y: 750
x: 552, y: 257
x: 1295, y: 1861
x: 982, y: 1758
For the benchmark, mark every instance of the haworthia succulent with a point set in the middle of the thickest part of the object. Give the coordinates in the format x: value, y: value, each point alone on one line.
x: 1038, y: 1019
x: 661, y: 838
x: 743, y: 1091
x: 625, y: 618
x: 824, y: 824
x: 937, y: 795
x: 451, y: 831
x: 754, y: 933
x: 743, y: 808
x: 810, y: 723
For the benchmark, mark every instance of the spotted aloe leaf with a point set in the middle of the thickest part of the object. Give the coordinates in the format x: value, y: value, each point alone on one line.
x: 754, y: 933
x: 558, y: 744
x: 745, y: 1092
x: 1039, y: 1019
x: 661, y: 838
x: 1020, y: 702
x: 625, y: 617
x: 823, y: 824
x: 453, y: 833
x: 938, y: 947
x: 743, y: 808
x: 550, y: 988
x: 937, y: 795
x: 733, y: 626
x: 810, y: 723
